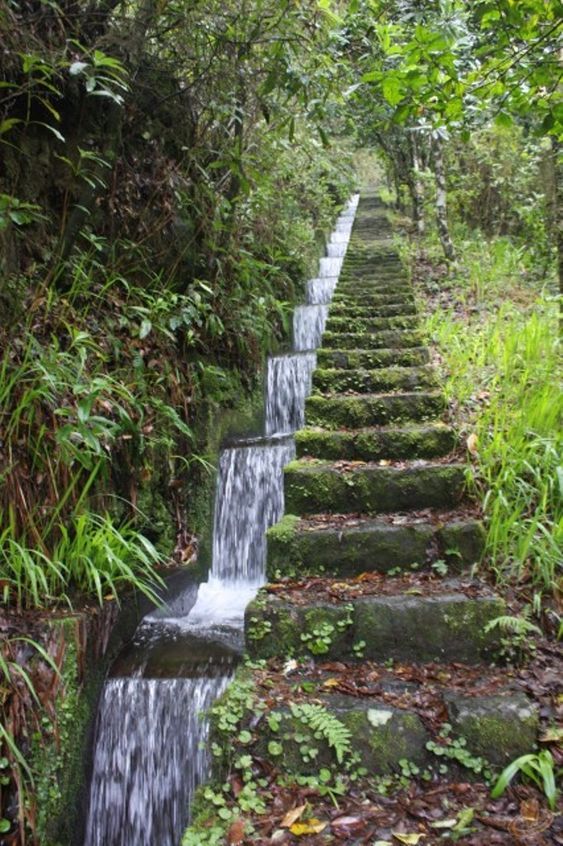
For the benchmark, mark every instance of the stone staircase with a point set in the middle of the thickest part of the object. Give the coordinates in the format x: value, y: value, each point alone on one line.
x: 372, y: 563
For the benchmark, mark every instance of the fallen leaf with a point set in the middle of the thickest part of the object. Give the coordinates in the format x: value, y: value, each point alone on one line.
x: 472, y: 443
x: 236, y: 833
x: 331, y: 683
x: 407, y: 839
x: 312, y: 826
x: 347, y: 825
x: 444, y: 823
x: 530, y: 810
x: 289, y: 666
x: 292, y: 816
x: 552, y: 735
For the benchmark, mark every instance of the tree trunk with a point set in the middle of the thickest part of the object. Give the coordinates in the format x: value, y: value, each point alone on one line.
x: 441, y: 202
x: 416, y: 188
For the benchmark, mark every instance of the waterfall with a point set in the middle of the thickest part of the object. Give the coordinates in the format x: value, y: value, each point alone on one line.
x: 150, y: 748
x: 149, y: 756
x: 288, y: 384
x: 320, y: 291
x: 308, y: 326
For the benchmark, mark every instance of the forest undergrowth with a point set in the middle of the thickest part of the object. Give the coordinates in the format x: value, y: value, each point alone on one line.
x: 495, y: 327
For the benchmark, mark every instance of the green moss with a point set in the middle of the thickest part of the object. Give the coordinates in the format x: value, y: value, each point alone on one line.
x: 370, y: 410
x: 59, y: 749
x: 314, y: 489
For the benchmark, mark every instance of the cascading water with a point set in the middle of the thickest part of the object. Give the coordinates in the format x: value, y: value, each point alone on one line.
x: 308, y: 326
x: 150, y: 748
x: 288, y: 384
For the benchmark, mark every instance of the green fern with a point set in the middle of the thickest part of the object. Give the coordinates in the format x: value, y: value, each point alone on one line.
x: 518, y: 626
x: 325, y: 726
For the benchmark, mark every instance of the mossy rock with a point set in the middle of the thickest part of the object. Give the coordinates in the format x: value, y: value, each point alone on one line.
x: 337, y: 380
x: 372, y: 444
x: 370, y: 359
x: 372, y: 340
x: 353, y: 412
x: 352, y: 310
x: 499, y: 728
x: 443, y: 626
x: 316, y: 488
x: 373, y: 545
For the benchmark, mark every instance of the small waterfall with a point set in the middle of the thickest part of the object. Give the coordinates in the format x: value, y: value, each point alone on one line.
x: 150, y: 755
x: 321, y: 290
x: 330, y: 266
x: 150, y: 749
x: 339, y: 237
x: 308, y: 326
x: 288, y: 385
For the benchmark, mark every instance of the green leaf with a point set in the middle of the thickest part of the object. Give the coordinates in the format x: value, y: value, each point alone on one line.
x: 392, y: 90
x: 146, y: 327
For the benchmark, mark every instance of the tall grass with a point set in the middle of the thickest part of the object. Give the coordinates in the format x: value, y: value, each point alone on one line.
x: 503, y: 367
x: 92, y: 557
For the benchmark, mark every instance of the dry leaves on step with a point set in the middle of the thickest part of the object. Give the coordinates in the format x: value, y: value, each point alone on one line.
x: 235, y: 835
x: 292, y: 816
x: 312, y: 826
x: 473, y: 444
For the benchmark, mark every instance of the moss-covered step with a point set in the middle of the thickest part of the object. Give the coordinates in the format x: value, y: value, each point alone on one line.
x: 318, y: 487
x: 384, y: 735
x: 372, y: 340
x: 370, y: 359
x: 341, y: 411
x: 370, y: 324
x: 368, y: 298
x: 375, y: 283
x: 352, y: 310
x: 349, y: 547
x: 429, y: 440
x: 447, y: 624
x: 337, y: 380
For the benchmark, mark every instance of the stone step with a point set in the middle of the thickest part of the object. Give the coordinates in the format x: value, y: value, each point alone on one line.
x: 336, y: 323
x: 402, y: 619
x: 352, y: 311
x: 370, y: 280
x: 337, y: 380
x: 429, y: 440
x: 373, y: 340
x: 387, y: 725
x: 320, y: 487
x: 370, y: 359
x: 342, y: 411
x: 372, y: 295
x: 349, y: 546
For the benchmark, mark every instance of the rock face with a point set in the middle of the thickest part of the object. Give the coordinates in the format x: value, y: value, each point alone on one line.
x: 374, y: 555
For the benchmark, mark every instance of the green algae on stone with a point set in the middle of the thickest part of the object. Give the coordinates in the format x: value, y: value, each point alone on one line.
x: 370, y: 359
x: 371, y: 444
x: 440, y: 627
x: 336, y: 380
x: 321, y: 487
x: 499, y: 728
x: 342, y: 411
x: 372, y: 340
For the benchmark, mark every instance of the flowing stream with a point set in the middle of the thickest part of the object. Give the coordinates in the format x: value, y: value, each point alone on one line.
x: 150, y: 749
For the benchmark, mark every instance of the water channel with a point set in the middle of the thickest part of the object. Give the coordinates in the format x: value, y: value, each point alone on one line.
x: 150, y: 749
